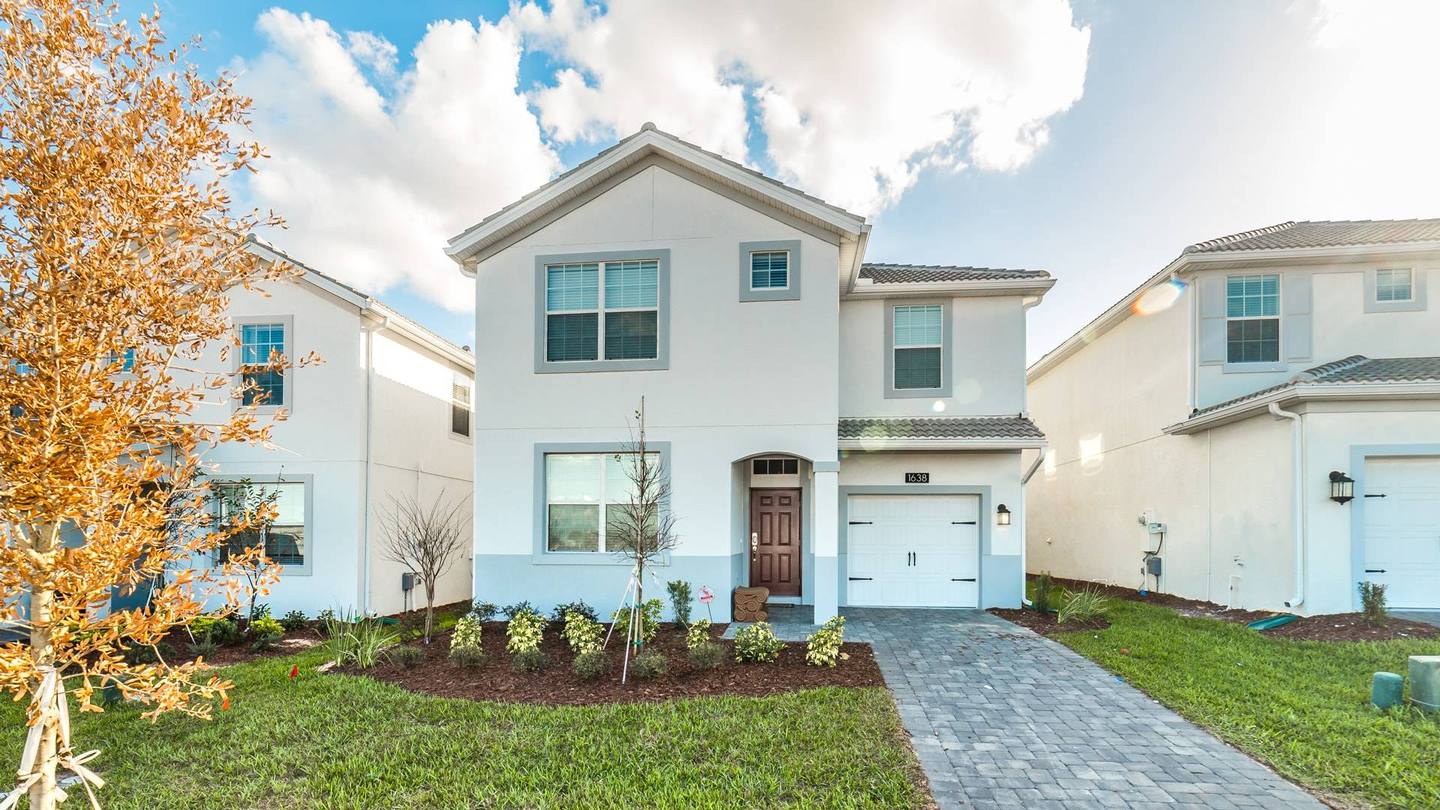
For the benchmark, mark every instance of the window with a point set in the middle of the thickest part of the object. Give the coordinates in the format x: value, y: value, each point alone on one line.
x: 283, y: 539
x: 582, y: 492
x: 460, y: 408
x: 1394, y: 285
x: 124, y: 362
x: 259, y: 342
x: 918, y: 335
x: 775, y: 466
x: 1252, y: 312
x: 769, y: 270
x: 590, y: 305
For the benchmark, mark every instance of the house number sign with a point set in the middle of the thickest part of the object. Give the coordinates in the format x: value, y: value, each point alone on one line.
x: 917, y: 478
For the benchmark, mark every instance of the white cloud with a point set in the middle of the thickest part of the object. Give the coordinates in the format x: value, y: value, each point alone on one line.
x: 374, y: 176
x: 854, y: 100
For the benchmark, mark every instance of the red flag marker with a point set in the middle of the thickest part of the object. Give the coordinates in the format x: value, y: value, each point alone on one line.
x: 294, y: 671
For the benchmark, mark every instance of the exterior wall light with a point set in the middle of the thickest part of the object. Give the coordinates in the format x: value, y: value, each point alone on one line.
x: 1342, y: 487
x: 1002, y: 515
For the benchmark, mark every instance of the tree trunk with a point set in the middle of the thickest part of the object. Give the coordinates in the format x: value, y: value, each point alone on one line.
x: 429, y: 609
x: 42, y: 793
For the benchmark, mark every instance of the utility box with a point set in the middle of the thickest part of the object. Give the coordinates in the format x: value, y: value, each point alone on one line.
x: 407, y: 581
x: 1152, y: 566
x: 1425, y: 682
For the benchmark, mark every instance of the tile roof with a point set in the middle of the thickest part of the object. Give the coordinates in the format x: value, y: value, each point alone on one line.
x: 884, y: 273
x: 940, y: 428
x: 1324, y: 234
x: 1353, y: 370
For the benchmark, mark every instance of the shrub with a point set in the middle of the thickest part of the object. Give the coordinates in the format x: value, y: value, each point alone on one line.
x: 561, y: 612
x: 822, y: 648
x: 582, y: 633
x: 529, y: 661
x: 138, y: 654
x: 1372, y: 602
x: 679, y: 591
x: 259, y: 611
x: 466, y: 635
x: 217, y: 629
x: 264, y: 632
x: 649, y: 665
x: 1082, y: 606
x: 757, y: 644
x: 650, y: 612
x: 1044, y: 597
x: 204, y: 648
x: 591, y: 664
x: 294, y: 620
x: 324, y: 616
x: 357, y: 640
x: 484, y: 611
x: 405, y: 656
x: 699, y: 633
x: 524, y: 633
x: 706, y: 655
x: 468, y: 656
x: 511, y: 611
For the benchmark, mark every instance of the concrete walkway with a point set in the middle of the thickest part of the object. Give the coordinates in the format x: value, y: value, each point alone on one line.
x: 1002, y: 717
x: 1425, y: 616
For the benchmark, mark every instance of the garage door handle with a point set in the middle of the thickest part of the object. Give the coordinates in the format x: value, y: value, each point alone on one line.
x: 861, y: 579
x: 1379, y: 495
x: 965, y: 579
x: 862, y: 523
x: 962, y: 523
x: 1374, y: 570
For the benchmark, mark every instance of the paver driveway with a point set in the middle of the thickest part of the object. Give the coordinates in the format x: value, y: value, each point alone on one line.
x: 1003, y: 717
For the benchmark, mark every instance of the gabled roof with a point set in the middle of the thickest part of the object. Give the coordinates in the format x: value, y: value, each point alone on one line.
x: 884, y: 273
x: 875, y: 433
x: 1289, y: 235
x: 507, y: 224
x: 1348, y: 376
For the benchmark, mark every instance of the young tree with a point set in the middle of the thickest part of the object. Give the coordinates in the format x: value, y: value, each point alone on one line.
x: 117, y: 249
x: 642, y: 529
x: 426, y: 540
x: 244, y: 503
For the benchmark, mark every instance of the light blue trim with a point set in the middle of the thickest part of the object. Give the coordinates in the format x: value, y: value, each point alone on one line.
x: 994, y: 590
x: 825, y: 466
x: 540, y: 554
x: 660, y: 362
x: 1417, y: 291
x: 507, y: 578
x: 1359, y: 454
x: 947, y: 357
x: 791, y: 292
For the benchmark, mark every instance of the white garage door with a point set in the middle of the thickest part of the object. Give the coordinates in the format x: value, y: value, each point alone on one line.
x: 1402, y: 529
x: 914, y: 550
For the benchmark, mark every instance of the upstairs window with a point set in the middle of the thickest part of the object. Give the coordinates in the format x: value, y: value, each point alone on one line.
x: 918, y: 347
x: 602, y: 311
x: 460, y: 408
x: 769, y: 269
x: 259, y: 344
x: 1252, y: 319
x: 1394, y: 285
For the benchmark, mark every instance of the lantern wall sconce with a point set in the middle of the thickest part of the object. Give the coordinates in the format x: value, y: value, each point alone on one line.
x: 1002, y: 515
x: 1342, y: 487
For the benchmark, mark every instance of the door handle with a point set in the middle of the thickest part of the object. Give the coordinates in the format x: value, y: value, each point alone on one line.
x: 754, y: 542
x: 861, y: 579
x: 962, y: 579
x: 1374, y: 570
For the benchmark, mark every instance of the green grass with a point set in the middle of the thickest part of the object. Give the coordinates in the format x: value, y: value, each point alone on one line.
x: 1301, y: 706
x: 338, y: 741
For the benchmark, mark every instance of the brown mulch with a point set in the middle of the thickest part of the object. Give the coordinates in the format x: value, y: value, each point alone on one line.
x: 557, y: 684
x: 1329, y: 627
x: 1045, y: 623
x: 178, y: 646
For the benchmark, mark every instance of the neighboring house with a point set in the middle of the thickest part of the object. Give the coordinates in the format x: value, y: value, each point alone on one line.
x: 385, y: 415
x: 1196, y: 426
x: 838, y: 432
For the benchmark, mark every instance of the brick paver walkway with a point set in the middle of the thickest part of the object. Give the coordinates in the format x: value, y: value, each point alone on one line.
x: 1002, y: 717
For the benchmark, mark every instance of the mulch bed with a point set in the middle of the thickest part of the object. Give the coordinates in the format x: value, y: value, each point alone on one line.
x: 1330, y: 627
x: 557, y: 684
x: 1045, y: 623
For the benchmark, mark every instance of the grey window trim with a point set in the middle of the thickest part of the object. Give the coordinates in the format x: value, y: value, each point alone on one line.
x: 947, y: 358
x: 660, y: 362
x: 287, y: 379
x: 308, y: 568
x: 1258, y: 366
x: 791, y: 292
x: 540, y: 553
x: 1417, y: 291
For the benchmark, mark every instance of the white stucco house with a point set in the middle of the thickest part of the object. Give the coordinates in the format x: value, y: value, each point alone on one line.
x: 1258, y: 424
x: 839, y: 432
x: 384, y: 415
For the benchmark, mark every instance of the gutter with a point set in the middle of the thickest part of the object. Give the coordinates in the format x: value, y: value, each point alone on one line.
x: 882, y: 444
x: 1297, y: 439
x: 1306, y: 392
x: 864, y: 288
x: 369, y: 331
x: 1030, y: 473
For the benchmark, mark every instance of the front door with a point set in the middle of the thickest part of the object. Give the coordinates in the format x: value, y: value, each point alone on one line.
x: 775, y: 540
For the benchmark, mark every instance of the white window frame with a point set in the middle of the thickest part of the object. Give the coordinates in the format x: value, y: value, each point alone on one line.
x: 786, y: 286
x: 287, y: 377
x: 1409, y: 284
x: 661, y: 361
x: 945, y: 347
x: 791, y: 290
x: 1278, y: 318
x: 308, y: 481
x: 1416, y: 301
x: 468, y: 386
x: 542, y: 553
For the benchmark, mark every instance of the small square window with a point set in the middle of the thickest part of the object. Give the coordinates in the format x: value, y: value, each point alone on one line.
x: 769, y: 270
x: 1394, y: 285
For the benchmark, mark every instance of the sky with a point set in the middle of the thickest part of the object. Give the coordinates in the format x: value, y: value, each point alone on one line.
x: 1091, y: 139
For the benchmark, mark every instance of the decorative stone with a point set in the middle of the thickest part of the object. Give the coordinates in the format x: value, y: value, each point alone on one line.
x: 1387, y: 690
x: 1425, y: 682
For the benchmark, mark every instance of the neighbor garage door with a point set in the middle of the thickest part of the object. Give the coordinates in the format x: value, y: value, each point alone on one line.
x: 1402, y: 529
x: 913, y: 550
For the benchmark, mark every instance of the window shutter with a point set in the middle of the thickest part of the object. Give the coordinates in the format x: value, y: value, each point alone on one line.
x: 1211, y: 289
x: 1295, y: 331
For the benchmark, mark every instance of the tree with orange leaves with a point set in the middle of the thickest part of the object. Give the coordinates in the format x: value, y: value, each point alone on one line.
x: 117, y: 249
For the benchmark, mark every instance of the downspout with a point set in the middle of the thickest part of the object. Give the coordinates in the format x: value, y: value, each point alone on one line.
x: 369, y: 330
x: 1025, y: 479
x: 1297, y: 440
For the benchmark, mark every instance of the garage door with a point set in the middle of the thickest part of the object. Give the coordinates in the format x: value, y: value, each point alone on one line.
x: 913, y: 550
x: 1402, y: 529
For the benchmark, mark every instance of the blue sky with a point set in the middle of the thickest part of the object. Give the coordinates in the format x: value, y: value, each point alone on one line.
x: 1103, y: 136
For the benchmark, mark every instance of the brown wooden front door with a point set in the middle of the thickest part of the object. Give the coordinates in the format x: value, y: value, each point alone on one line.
x: 775, y: 540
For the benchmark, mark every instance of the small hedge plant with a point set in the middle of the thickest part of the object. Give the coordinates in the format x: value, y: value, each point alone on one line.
x: 218, y: 630
x: 650, y: 612
x: 1372, y: 602
x: 1082, y: 606
x: 465, y: 648
x: 264, y: 632
x: 649, y: 665
x: 582, y: 633
x: 679, y: 591
x: 1044, y: 599
x: 405, y: 656
x: 484, y: 611
x: 757, y: 644
x: 699, y: 633
x: 822, y: 648
x: 591, y: 664
x: 560, y: 613
x: 294, y: 620
x: 523, y: 636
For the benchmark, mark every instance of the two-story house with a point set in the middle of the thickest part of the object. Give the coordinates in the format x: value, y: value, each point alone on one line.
x: 838, y: 432
x: 1257, y: 425
x: 384, y: 415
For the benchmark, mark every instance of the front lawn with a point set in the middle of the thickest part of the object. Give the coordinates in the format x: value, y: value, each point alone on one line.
x: 1301, y: 706
x: 346, y: 741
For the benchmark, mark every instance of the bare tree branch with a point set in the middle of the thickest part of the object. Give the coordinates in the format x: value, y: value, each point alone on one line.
x: 426, y: 540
